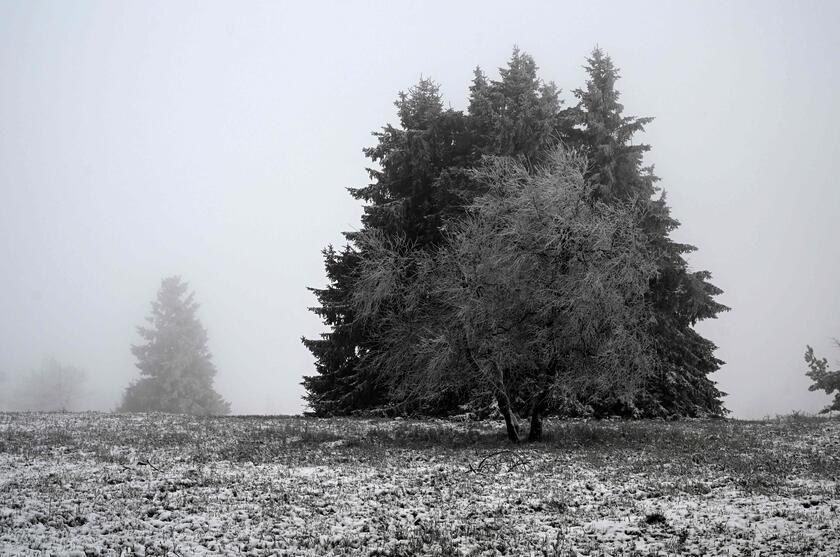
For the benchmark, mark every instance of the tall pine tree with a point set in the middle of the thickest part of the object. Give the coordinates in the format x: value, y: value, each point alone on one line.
x: 682, y: 298
x: 176, y: 371
x: 404, y: 198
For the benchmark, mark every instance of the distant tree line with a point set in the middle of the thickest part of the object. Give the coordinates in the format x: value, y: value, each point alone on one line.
x: 51, y: 387
x: 515, y: 255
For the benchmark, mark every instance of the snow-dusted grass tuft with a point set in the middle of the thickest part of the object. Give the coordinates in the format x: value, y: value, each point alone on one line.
x: 110, y: 484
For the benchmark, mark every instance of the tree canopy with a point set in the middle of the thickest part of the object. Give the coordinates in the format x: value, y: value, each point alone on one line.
x: 424, y: 187
x: 539, y: 288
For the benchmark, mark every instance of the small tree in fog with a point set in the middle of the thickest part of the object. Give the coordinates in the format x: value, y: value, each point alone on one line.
x: 51, y: 387
x: 540, y: 290
x: 176, y: 371
x: 824, y: 379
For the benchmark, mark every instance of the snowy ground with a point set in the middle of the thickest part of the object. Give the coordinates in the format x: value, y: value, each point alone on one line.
x: 102, y: 484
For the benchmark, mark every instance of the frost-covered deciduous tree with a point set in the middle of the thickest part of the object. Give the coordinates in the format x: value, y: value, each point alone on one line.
x: 539, y: 289
x: 176, y: 371
x: 824, y: 379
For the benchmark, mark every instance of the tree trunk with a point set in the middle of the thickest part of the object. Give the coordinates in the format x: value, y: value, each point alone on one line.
x: 540, y: 406
x: 535, y: 434
x: 537, y: 410
x: 510, y: 422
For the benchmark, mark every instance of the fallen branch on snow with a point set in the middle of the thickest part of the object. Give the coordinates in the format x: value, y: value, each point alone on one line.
x: 519, y: 461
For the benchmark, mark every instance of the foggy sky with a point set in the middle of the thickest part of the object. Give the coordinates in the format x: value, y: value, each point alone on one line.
x: 215, y: 141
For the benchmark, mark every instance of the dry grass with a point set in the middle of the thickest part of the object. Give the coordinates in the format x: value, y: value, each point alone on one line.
x: 159, y: 484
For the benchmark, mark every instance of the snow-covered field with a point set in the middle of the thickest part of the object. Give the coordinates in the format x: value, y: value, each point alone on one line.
x: 105, y: 484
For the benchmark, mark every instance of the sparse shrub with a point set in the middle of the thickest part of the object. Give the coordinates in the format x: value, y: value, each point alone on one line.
x: 556, y: 504
x: 655, y: 517
x: 824, y: 379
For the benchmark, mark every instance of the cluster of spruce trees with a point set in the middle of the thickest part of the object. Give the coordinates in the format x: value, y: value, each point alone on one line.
x: 425, y: 179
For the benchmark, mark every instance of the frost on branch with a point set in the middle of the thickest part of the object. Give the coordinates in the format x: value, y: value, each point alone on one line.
x: 540, y: 291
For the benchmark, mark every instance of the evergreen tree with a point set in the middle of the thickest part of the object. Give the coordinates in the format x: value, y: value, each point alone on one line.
x: 176, y: 371
x: 682, y: 298
x: 337, y: 388
x: 516, y: 115
x: 404, y: 199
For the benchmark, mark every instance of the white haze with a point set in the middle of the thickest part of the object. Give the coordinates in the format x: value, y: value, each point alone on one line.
x: 214, y: 140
